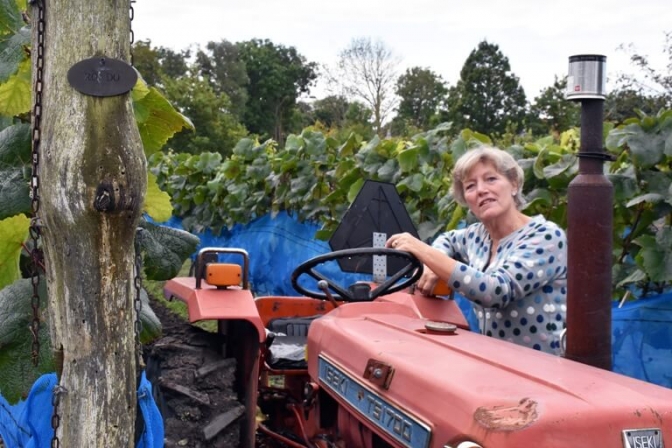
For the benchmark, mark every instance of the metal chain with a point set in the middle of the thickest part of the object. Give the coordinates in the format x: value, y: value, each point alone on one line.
x: 137, y: 280
x: 55, y: 417
x: 36, y: 253
x: 137, y: 305
x: 131, y: 13
x: 37, y: 259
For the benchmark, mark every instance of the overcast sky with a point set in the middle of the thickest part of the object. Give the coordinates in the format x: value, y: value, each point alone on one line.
x: 537, y: 36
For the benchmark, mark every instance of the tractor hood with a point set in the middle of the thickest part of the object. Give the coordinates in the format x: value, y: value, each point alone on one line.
x: 431, y: 390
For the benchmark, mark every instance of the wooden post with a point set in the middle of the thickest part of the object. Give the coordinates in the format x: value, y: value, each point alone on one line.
x: 93, y: 178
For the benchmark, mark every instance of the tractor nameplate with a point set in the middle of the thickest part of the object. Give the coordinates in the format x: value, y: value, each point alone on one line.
x: 643, y: 438
x: 394, y: 422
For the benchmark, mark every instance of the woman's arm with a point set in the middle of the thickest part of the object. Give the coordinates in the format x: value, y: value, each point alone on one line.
x: 530, y: 263
x: 438, y: 264
x: 527, y: 264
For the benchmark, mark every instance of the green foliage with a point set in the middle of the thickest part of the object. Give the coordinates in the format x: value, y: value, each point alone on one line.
x: 316, y: 176
x: 13, y: 232
x: 164, y: 249
x: 14, y: 37
x: 17, y: 372
x: 212, y: 128
x: 15, y: 92
x: 422, y: 92
x: 157, y: 119
x: 643, y: 201
x: 488, y: 95
x: 313, y: 176
x: 277, y: 76
x: 551, y: 112
x: 221, y: 65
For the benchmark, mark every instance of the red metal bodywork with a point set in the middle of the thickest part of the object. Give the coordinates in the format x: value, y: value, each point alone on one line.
x: 210, y: 303
x: 465, y: 386
x: 461, y: 385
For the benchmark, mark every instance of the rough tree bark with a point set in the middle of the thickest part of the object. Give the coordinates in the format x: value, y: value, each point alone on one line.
x: 90, y: 148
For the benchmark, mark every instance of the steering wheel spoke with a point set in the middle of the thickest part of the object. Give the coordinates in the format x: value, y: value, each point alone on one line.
x: 319, y: 276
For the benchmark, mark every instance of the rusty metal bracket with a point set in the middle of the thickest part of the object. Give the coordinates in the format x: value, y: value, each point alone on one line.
x: 379, y: 373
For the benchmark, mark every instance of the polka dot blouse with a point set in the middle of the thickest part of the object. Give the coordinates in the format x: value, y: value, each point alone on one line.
x: 521, y: 296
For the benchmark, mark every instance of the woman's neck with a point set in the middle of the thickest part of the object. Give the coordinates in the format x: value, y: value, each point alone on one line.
x: 503, y: 227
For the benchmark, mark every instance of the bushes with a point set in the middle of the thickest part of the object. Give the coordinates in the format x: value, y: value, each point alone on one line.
x: 316, y: 177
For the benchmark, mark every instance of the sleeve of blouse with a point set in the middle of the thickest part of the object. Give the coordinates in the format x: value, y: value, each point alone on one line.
x: 453, y: 243
x: 533, y: 262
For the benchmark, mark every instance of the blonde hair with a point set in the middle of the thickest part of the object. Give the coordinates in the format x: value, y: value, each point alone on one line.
x: 503, y: 162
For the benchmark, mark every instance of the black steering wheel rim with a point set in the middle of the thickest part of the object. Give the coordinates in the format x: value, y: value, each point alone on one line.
x: 387, y: 287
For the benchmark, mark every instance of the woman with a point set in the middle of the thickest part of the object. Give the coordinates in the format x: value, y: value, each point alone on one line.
x: 511, y: 266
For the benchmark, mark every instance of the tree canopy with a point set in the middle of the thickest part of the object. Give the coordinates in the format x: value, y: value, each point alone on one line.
x: 366, y: 71
x: 488, y: 96
x: 421, y: 93
x: 551, y: 112
x: 221, y: 65
x: 278, y: 76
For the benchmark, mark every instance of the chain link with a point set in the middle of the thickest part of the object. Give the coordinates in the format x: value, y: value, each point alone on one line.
x: 137, y: 280
x: 137, y: 305
x: 131, y: 16
x: 55, y: 418
x: 36, y: 256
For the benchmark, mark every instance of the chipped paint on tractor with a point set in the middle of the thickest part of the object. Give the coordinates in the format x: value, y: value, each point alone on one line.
x: 507, y: 418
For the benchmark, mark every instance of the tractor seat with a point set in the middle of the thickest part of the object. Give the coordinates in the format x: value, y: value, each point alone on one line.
x: 288, y: 345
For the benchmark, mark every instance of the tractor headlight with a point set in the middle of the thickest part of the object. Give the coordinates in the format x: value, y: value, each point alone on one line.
x: 466, y: 444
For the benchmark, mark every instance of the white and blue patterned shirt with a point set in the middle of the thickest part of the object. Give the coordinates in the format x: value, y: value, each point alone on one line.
x: 521, y: 296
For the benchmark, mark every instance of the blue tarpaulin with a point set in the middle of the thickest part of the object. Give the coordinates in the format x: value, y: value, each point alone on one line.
x: 27, y: 424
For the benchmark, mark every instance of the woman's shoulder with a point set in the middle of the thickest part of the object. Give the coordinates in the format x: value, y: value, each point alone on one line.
x: 540, y: 224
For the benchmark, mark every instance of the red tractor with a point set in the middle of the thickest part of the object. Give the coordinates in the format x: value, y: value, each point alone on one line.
x: 375, y: 364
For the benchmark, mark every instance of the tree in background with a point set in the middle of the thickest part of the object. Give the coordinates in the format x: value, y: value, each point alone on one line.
x: 221, y: 65
x: 174, y: 64
x: 191, y: 90
x: 488, y: 95
x: 422, y: 92
x: 632, y: 94
x: 278, y: 76
x: 146, y: 60
x: 156, y: 64
x: 658, y: 83
x: 331, y: 111
x: 624, y: 102
x: 367, y: 71
x: 216, y: 128
x: 551, y: 113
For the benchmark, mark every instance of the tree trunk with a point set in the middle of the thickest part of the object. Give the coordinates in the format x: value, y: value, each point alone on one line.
x: 90, y: 149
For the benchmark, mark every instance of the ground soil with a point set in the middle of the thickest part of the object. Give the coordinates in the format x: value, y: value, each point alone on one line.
x: 190, y: 396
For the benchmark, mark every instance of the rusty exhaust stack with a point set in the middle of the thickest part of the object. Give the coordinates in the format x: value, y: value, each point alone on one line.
x: 590, y: 223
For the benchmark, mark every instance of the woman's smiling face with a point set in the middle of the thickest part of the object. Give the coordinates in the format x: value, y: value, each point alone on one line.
x: 488, y: 193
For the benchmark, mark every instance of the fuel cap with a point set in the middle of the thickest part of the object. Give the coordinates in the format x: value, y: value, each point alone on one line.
x: 440, y: 327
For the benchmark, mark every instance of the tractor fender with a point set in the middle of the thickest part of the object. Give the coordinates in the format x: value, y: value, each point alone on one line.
x: 212, y: 303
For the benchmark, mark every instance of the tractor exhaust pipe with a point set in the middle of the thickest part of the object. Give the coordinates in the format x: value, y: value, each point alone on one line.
x: 590, y: 223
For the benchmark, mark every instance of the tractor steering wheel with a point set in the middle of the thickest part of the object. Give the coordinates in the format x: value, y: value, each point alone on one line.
x: 348, y: 294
